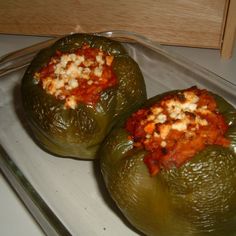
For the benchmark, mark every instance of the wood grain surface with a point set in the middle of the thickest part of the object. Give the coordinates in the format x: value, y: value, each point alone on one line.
x: 198, y: 23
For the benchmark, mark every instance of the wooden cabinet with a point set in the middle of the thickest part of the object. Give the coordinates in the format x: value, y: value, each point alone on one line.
x: 194, y: 23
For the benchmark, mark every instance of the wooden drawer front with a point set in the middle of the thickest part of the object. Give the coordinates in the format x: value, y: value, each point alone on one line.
x: 198, y: 23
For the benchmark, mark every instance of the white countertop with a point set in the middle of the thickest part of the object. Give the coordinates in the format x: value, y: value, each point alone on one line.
x: 14, y: 217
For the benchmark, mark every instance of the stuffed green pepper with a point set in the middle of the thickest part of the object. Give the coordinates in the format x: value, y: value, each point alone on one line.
x: 171, y: 165
x: 74, y: 91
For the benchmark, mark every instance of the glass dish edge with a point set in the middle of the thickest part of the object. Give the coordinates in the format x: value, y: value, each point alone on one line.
x: 48, y: 221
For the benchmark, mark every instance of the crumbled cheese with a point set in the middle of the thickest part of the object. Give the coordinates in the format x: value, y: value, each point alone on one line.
x: 179, y: 125
x: 73, y: 83
x: 161, y: 118
x: 156, y: 135
x: 90, y: 82
x: 202, y: 122
x: 80, y: 59
x: 69, y: 69
x: 72, y: 71
x: 190, y: 107
x: 163, y: 143
x: 73, y: 57
x: 71, y: 102
x: 59, y: 83
x: 178, y: 116
x: 164, y: 130
x: 191, y: 96
x: 203, y: 111
x: 156, y: 110
x: 98, y: 71
x: 99, y: 59
x: 85, y: 73
x: 151, y: 117
x: 63, y: 62
x: 88, y: 63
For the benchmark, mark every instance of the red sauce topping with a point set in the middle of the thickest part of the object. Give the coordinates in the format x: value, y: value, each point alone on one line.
x: 174, y: 129
x: 76, y: 77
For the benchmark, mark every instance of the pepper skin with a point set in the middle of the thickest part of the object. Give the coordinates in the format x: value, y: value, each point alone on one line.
x: 197, y: 199
x: 78, y: 132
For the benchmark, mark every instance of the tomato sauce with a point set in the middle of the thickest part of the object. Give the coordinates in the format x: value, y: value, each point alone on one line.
x: 176, y: 128
x: 77, y: 77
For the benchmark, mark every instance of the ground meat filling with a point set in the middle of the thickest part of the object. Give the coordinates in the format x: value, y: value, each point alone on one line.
x: 76, y: 77
x: 176, y: 128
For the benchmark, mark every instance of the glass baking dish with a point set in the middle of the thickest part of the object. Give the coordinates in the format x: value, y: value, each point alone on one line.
x: 67, y: 196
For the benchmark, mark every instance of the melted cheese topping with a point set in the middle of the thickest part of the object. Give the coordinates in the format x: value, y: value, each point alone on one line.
x: 177, y: 127
x: 76, y: 77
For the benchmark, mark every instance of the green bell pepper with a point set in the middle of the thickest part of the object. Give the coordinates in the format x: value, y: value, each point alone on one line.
x: 78, y: 132
x: 198, y: 198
